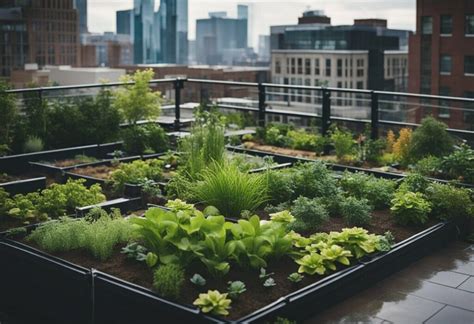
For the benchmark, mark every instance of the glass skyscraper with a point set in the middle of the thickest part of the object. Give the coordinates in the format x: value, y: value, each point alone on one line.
x: 81, y: 7
x: 173, y: 38
x: 143, y: 24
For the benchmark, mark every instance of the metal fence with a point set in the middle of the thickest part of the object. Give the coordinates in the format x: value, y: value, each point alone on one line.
x: 276, y: 99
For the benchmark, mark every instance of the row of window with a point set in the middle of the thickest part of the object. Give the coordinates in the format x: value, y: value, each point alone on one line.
x: 296, y: 66
x: 446, y: 25
x: 446, y: 64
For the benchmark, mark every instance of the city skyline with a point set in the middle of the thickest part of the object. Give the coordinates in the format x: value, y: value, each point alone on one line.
x: 401, y: 15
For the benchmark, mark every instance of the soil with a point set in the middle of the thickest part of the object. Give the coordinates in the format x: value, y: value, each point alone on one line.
x: 70, y: 162
x: 100, y: 171
x: 7, y: 223
x: 280, y: 150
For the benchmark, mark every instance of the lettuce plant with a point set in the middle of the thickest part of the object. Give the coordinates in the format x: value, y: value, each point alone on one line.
x: 235, y: 289
x: 410, y: 208
x: 311, y: 264
x: 213, y: 302
x: 198, y: 280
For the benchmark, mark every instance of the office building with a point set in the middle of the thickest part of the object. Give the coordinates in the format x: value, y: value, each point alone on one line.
x: 442, y: 59
x: 264, y: 48
x: 81, y: 7
x: 108, y: 49
x: 143, y: 31
x: 220, y: 40
x: 243, y: 12
x: 124, y: 23
x: 29, y: 35
x: 173, y: 19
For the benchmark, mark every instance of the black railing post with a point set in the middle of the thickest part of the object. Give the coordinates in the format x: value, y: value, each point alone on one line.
x: 178, y: 85
x: 374, y: 116
x: 261, y: 105
x: 326, y: 112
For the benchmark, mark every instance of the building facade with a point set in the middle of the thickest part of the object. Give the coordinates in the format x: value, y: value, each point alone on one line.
x: 174, y: 31
x: 108, y: 49
x: 220, y: 40
x: 442, y: 59
x: 81, y: 7
x: 42, y: 32
x: 124, y: 23
x: 143, y: 31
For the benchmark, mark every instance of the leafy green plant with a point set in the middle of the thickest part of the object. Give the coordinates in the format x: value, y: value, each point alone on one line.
x: 410, y: 208
x: 168, y: 280
x: 213, y: 302
x: 269, y: 282
x: 343, y: 143
x: 33, y: 144
x: 309, y: 214
x: 428, y: 166
x: 449, y: 202
x: 356, y: 211
x: 414, y: 182
x: 281, y: 186
x: 135, y: 251
x: 275, y: 136
x: 136, y: 100
x: 230, y: 190
x: 150, y: 138
x: 377, y: 191
x: 9, y: 113
x: 136, y: 172
x: 295, y: 277
x: 301, y: 140
x: 151, y: 259
x: 313, y: 180
x: 198, y: 280
x: 356, y: 240
x: 430, y: 139
x: 283, y: 217
x: 311, y: 264
x: 459, y: 165
x: 98, y: 237
x: 235, y: 289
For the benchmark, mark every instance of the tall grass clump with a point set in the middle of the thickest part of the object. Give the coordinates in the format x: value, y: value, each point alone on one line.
x: 97, y: 234
x: 230, y: 190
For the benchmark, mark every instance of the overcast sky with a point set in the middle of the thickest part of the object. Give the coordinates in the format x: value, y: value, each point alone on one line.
x: 399, y: 13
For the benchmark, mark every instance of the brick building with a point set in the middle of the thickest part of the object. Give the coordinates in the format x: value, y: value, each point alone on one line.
x: 441, y: 60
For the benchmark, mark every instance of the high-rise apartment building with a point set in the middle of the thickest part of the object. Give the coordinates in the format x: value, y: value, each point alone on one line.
x: 173, y: 31
x: 81, y: 7
x: 244, y: 13
x: 442, y: 59
x: 220, y: 39
x: 108, y: 49
x: 35, y: 31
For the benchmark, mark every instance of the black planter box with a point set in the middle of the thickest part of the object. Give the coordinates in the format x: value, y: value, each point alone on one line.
x: 124, y: 204
x: 24, y: 186
x: 69, y: 288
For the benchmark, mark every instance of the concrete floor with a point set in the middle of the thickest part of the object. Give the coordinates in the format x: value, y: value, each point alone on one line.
x: 436, y: 289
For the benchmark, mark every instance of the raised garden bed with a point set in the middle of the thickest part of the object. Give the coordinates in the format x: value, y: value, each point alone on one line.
x: 23, y: 185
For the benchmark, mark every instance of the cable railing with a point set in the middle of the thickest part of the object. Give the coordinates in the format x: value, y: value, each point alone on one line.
x: 326, y: 101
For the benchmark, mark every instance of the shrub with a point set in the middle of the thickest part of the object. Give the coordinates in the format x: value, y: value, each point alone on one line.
x: 410, y: 208
x: 302, y: 140
x: 230, y: 190
x: 280, y: 185
x: 137, y: 101
x: 343, y: 143
x: 9, y: 113
x: 309, y: 214
x: 136, y: 172
x: 356, y: 211
x: 402, y: 145
x: 168, y: 280
x: 213, y: 302
x: 390, y: 141
x: 98, y: 237
x: 313, y: 180
x: 428, y: 166
x: 449, y: 202
x: 377, y: 191
x: 146, y: 138
x: 33, y: 144
x: 370, y: 150
x: 274, y: 136
x: 431, y: 138
x: 460, y: 164
x: 3, y: 200
x: 414, y: 182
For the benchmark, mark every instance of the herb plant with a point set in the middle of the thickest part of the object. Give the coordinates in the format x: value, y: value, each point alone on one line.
x: 295, y: 277
x: 235, y: 289
x: 213, y: 302
x: 309, y: 214
x: 135, y: 251
x: 198, y: 280
x: 269, y: 282
x: 356, y: 211
x: 168, y: 280
x: 410, y: 208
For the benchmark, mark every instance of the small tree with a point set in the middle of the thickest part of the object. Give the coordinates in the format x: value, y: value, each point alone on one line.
x: 137, y: 101
x: 8, y: 116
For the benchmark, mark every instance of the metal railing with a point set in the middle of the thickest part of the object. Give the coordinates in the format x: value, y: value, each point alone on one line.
x: 262, y: 88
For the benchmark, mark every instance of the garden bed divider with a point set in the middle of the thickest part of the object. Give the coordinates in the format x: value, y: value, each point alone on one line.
x: 24, y: 186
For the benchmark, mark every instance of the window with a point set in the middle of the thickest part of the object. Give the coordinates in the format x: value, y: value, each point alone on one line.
x: 469, y: 65
x: 293, y: 65
x: 446, y: 26
x: 444, y: 104
x: 360, y: 84
x: 426, y: 25
x: 339, y: 94
x: 287, y: 65
x: 300, y: 66
x: 277, y: 67
x: 339, y: 67
x: 307, y: 66
x: 445, y: 64
x: 469, y: 27
x: 360, y: 67
x: 308, y: 93
x: 328, y: 67
x: 316, y: 67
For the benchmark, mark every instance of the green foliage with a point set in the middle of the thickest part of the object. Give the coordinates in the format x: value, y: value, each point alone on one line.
x: 145, y: 138
x: 410, y: 208
x: 459, y: 165
x: 54, y: 201
x: 449, y: 202
x: 309, y: 214
x: 356, y: 211
x: 431, y: 138
x: 263, y: 273
x: 313, y: 180
x: 284, y: 217
x: 281, y: 187
x: 33, y: 144
x: 370, y: 150
x: 282, y: 320
x: 151, y: 259
x: 302, y: 140
x: 343, y: 143
x: 214, y: 303
x: 168, y: 280
x: 136, y: 172
x: 198, y: 280
x: 269, y: 282
x: 235, y: 289
x: 277, y: 136
x: 414, y: 182
x: 9, y: 113
x: 137, y: 101
x: 311, y: 264
x: 98, y: 237
x: 377, y: 191
x: 4, y: 196
x: 230, y: 190
x: 135, y: 251
x: 428, y: 166
x: 295, y: 277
